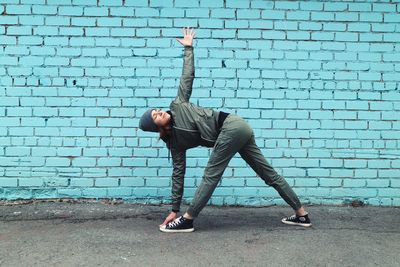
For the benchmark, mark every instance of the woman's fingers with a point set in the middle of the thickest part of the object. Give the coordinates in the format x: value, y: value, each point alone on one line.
x: 188, y: 31
x: 166, y: 221
x: 192, y: 33
x: 188, y: 34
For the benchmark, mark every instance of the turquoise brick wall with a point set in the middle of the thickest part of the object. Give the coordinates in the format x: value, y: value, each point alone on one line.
x: 317, y: 80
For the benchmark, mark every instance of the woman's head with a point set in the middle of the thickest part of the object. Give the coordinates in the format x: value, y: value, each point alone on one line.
x: 154, y: 119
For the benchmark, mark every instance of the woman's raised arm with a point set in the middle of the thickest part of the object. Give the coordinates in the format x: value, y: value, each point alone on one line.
x: 186, y: 82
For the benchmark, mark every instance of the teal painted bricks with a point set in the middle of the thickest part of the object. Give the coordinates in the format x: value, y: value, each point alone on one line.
x: 318, y: 81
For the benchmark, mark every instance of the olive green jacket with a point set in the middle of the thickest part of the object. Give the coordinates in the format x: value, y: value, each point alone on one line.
x: 191, y: 126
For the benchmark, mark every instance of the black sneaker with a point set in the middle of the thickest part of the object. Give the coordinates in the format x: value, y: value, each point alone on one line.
x: 179, y: 225
x: 298, y: 220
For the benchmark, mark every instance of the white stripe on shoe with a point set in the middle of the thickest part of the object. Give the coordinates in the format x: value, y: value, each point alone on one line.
x: 165, y: 230
x: 295, y: 223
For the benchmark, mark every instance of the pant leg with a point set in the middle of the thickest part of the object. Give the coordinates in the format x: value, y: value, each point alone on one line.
x: 235, y: 133
x: 251, y: 153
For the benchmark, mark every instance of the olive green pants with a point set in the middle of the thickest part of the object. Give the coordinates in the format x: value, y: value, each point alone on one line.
x: 237, y: 136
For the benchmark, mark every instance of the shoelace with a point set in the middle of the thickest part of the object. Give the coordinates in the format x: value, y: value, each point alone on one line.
x: 175, y: 223
x: 291, y: 218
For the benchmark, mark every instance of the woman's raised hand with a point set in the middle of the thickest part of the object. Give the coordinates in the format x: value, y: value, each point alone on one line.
x: 188, y: 35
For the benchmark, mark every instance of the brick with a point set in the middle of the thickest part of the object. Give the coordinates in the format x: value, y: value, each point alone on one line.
x: 10, y: 20
x: 379, y: 7
x: 373, y: 17
x: 285, y: 25
x: 147, y: 12
x: 335, y: 6
x: 279, y: 35
x: 286, y: 5
x: 388, y: 192
x: 337, y: 27
x: 314, y: 5
x: 310, y: 26
x: 197, y: 12
x: 172, y: 12
x: 83, y: 162
x: 18, y: 194
x: 284, y: 124
x: 366, y: 173
x: 360, y: 7
x: 9, y: 182
x: 359, y: 27
x: 57, y: 162
x: 330, y: 182
x: 223, y: 34
x: 377, y: 183
x: 322, y: 16
x: 380, y: 125
x: 70, y: 11
x: 248, y: 74
x: 390, y: 115
x: 308, y: 46
x: 248, y: 14
x: 371, y: 37
x: 237, y: 24
x: 94, y: 192
x: 306, y: 182
x: 298, y: 15
x: 383, y: 27
x: 223, y: 13
x: 30, y: 182
x: 119, y: 192
x: 261, y: 44
x: 356, y: 183
x: 47, y: 10
x: 141, y: 192
x: 211, y: 23
x: 391, y: 17
x: 106, y: 182
x: 273, y: 14
x: 59, y: 2
x: 299, y: 35
x: 74, y: 193
x: 348, y: 37
x: 237, y: 4
x: 20, y: 30
x: 346, y: 16
x: 249, y: 34
x: 18, y: 9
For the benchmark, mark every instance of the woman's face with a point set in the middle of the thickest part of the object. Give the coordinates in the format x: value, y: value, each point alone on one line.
x: 160, y: 118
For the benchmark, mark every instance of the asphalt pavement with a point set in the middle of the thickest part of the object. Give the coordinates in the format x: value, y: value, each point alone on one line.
x: 92, y: 233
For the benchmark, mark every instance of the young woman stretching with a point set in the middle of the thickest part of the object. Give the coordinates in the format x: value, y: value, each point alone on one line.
x: 186, y: 126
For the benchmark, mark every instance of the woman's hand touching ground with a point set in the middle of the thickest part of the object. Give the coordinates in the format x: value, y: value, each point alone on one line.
x: 170, y: 218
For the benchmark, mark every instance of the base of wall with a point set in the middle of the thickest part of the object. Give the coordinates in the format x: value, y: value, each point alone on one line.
x: 22, y: 198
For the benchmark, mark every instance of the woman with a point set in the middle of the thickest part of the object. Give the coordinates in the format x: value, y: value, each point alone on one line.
x: 186, y: 126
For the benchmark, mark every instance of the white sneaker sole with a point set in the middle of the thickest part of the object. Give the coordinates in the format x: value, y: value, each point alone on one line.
x: 299, y: 224
x: 163, y: 229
